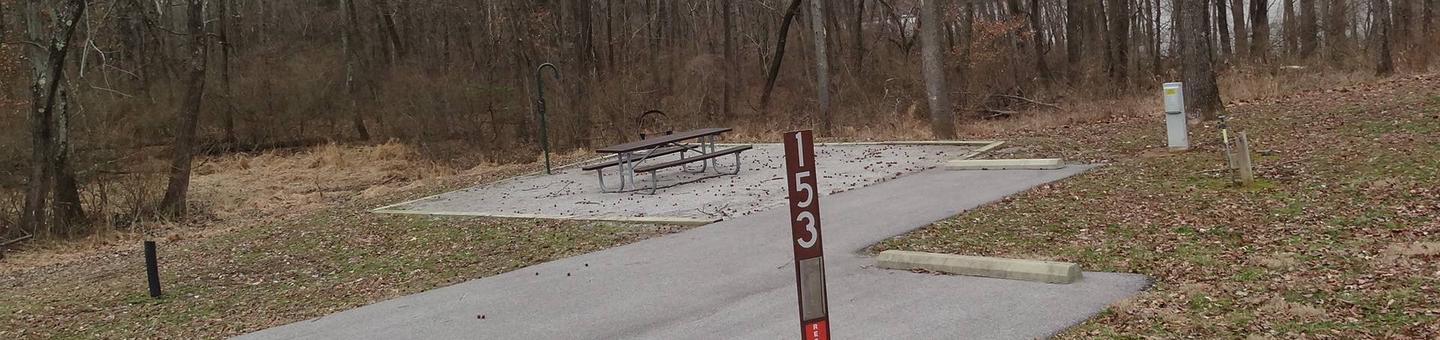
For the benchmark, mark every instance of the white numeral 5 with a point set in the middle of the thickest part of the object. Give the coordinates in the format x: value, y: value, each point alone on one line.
x: 800, y: 185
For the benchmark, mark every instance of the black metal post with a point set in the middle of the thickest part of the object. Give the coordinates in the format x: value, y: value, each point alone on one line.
x: 152, y: 269
x: 540, y: 110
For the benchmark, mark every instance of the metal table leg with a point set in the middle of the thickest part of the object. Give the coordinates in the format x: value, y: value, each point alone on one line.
x: 627, y: 170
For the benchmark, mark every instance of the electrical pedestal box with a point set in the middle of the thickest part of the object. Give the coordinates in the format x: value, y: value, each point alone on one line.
x: 1175, y: 122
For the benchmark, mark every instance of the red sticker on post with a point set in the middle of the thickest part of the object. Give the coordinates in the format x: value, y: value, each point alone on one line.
x: 805, y: 234
x: 816, y: 330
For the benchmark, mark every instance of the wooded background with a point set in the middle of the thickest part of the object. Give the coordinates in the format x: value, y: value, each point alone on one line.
x: 107, y: 89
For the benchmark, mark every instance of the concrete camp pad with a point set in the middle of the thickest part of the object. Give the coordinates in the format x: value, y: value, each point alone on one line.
x: 688, y: 198
x: 734, y: 280
x: 1000, y: 268
x: 1005, y: 164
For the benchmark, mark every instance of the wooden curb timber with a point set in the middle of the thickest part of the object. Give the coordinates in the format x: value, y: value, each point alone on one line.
x: 994, y: 267
x: 1005, y: 164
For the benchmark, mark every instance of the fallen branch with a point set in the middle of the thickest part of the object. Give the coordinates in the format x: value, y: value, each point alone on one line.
x: 1028, y: 100
x: 994, y: 113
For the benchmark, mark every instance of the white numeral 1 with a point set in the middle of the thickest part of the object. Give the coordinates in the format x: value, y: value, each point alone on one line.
x: 799, y: 150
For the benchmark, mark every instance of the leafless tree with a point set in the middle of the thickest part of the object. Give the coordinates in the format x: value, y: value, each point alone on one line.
x: 188, y: 117
x: 1201, y: 91
x: 822, y: 64
x: 1384, y: 62
x: 1242, y: 36
x: 942, y: 117
x: 1260, y: 30
x: 1309, y: 29
x: 779, y: 52
x: 50, y: 114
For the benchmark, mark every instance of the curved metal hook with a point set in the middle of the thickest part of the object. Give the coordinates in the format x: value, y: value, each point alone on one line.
x: 540, y: 109
x: 640, y: 121
x: 647, y: 113
x: 541, y: 71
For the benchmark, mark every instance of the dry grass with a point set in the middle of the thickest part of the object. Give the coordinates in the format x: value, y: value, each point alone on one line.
x: 279, y: 252
x: 1337, y: 240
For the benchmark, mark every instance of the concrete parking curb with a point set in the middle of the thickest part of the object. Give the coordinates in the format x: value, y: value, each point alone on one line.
x: 1005, y: 164
x: 1001, y: 268
x: 682, y: 221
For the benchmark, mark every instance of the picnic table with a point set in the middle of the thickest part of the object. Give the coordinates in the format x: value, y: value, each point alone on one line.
x: 632, y: 157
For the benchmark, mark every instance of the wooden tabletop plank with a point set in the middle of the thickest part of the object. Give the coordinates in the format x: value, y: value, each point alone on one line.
x: 661, y: 140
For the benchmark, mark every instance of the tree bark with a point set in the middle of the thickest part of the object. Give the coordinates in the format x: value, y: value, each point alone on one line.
x: 1384, y: 63
x: 1242, y: 35
x: 942, y: 117
x: 1260, y: 31
x: 49, y: 117
x: 779, y: 53
x: 1037, y: 30
x: 1335, y: 24
x: 822, y: 65
x: 1402, y: 16
x: 585, y: 63
x: 1224, y: 28
x: 1074, y: 38
x: 726, y: 111
x: 188, y: 116
x: 1120, y: 41
x: 1309, y: 32
x: 1201, y: 91
x: 349, y: 43
x: 1292, y: 29
x: 387, y: 20
x: 858, y: 49
x: 227, y: 115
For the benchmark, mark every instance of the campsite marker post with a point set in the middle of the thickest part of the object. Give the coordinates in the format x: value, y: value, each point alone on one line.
x: 805, y: 234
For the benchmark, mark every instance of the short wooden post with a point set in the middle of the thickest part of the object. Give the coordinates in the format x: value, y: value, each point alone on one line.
x: 1242, y: 160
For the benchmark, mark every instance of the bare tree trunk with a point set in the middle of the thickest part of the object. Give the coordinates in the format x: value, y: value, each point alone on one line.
x: 189, y: 115
x: 227, y: 115
x: 1402, y: 15
x: 858, y: 49
x: 37, y: 190
x: 1335, y: 24
x: 1431, y: 38
x: 1292, y: 29
x: 1201, y: 91
x: 585, y: 63
x: 349, y: 41
x: 1260, y: 30
x: 1384, y: 63
x: 1242, y: 35
x: 1224, y: 28
x: 779, y: 53
x: 1156, y: 63
x: 387, y: 17
x: 1038, y: 36
x: 49, y: 116
x: 726, y: 111
x: 822, y: 65
x: 1120, y: 41
x: 942, y: 117
x: 1074, y: 38
x: 1309, y: 31
x: 66, y: 204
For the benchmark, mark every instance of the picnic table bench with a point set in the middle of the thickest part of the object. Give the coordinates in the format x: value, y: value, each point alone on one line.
x: 630, y: 156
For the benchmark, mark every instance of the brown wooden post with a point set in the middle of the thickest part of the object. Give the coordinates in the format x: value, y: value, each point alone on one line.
x: 1243, y: 161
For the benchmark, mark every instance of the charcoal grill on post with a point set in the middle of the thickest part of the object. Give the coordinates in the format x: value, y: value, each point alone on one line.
x: 640, y: 122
